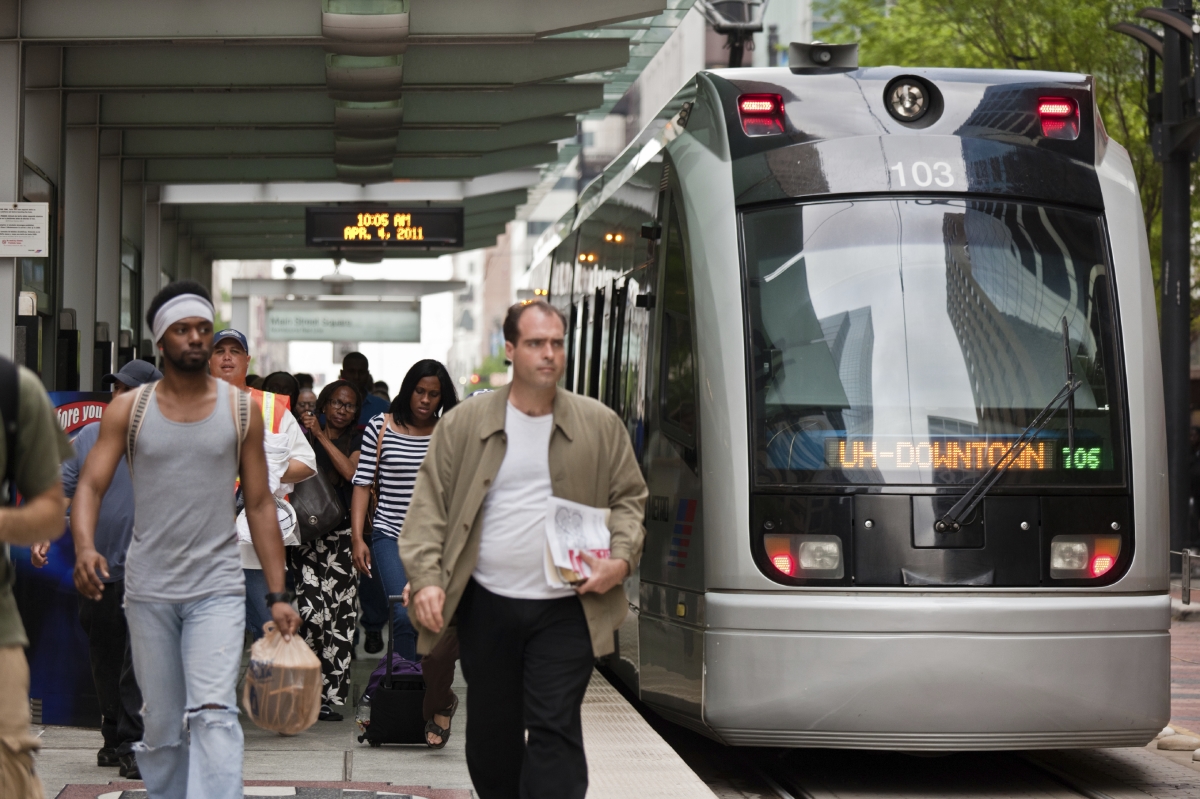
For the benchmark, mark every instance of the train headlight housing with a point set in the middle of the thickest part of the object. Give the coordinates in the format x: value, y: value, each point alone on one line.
x: 806, y: 557
x: 1083, y: 557
x: 1059, y: 117
x: 761, y: 114
x: 908, y: 100
x: 820, y: 555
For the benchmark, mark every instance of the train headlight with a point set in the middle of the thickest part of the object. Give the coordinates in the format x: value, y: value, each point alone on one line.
x: 1067, y: 556
x: 806, y: 557
x: 908, y: 100
x: 821, y: 555
x: 1082, y: 557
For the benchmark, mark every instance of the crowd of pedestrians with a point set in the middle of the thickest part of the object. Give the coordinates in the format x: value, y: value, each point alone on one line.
x: 441, y: 510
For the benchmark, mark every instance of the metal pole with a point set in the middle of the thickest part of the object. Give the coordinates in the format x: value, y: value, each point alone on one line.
x: 1176, y: 287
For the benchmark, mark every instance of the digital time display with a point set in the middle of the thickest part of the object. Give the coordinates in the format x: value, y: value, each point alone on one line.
x: 377, y: 227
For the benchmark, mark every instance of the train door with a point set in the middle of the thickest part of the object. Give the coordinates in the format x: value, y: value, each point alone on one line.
x: 672, y: 569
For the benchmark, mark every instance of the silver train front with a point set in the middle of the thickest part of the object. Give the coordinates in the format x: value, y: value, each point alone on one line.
x: 713, y: 644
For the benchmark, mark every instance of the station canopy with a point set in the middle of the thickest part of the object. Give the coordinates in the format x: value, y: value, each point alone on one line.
x: 247, y: 112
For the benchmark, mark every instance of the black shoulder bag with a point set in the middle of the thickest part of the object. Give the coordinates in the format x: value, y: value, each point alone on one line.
x: 318, y: 508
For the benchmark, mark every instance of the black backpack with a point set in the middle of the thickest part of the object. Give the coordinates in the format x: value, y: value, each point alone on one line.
x: 9, y: 402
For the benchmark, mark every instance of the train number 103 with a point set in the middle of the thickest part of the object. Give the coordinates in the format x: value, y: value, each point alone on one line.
x: 923, y: 174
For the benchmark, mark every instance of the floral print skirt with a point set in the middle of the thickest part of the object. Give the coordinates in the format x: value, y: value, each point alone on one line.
x: 326, y: 593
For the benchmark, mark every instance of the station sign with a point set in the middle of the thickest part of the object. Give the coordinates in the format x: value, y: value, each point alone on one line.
x: 397, y: 322
x: 375, y: 227
x: 24, y: 230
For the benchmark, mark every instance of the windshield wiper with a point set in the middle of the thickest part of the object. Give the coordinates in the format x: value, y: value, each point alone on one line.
x: 952, y: 521
x: 1070, y: 379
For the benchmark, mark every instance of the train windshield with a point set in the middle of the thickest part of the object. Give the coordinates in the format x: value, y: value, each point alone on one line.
x: 911, y: 341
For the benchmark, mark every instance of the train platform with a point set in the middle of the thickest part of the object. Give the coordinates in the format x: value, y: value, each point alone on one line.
x: 633, y: 753
x: 626, y: 758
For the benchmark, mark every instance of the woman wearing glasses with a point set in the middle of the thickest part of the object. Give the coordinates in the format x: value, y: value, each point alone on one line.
x: 326, y: 587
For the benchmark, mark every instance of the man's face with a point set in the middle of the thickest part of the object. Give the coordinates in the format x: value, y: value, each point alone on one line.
x: 229, y: 362
x: 355, y: 370
x: 119, y: 388
x: 538, y: 356
x: 187, y: 344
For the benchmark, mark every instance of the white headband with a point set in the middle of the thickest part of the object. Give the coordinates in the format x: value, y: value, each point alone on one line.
x: 181, y: 307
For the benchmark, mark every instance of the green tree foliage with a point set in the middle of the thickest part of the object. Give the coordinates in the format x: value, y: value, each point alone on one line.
x: 1053, y: 35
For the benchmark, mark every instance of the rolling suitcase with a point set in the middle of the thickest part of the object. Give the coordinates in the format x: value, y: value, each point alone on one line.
x: 396, y: 714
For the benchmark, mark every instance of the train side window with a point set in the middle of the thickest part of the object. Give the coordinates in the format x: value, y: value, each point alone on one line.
x: 678, y: 392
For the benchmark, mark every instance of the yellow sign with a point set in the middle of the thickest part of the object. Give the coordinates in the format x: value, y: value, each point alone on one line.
x: 384, y: 227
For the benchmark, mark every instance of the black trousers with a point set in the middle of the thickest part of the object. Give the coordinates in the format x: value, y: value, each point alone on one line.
x: 527, y: 664
x: 112, y: 668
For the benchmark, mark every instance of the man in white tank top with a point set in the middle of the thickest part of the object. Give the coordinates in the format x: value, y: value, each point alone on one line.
x: 184, y: 586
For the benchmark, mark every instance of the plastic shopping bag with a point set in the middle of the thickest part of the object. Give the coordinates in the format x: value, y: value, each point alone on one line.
x: 283, y: 683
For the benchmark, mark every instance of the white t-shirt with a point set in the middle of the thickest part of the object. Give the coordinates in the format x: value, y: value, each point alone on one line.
x: 290, y: 434
x: 512, y: 546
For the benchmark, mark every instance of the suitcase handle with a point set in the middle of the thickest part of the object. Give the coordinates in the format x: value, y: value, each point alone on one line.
x: 387, y: 675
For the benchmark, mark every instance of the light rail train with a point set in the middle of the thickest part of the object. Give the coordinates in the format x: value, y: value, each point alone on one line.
x: 886, y: 345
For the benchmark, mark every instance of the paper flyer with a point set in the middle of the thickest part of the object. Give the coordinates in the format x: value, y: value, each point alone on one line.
x: 571, y: 530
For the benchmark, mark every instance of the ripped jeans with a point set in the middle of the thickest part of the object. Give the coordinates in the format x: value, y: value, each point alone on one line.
x: 186, y: 657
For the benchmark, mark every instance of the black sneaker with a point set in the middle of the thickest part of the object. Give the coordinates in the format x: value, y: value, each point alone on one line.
x: 107, y: 757
x: 374, y: 642
x: 329, y: 714
x: 129, y: 767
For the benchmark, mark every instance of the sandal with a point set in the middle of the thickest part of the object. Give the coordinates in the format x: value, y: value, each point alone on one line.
x: 432, y: 728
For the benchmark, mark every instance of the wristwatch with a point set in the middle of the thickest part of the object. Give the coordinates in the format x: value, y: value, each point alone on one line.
x: 280, y: 596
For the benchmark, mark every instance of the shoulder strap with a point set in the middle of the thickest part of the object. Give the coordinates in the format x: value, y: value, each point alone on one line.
x: 10, y: 402
x: 137, y: 416
x: 383, y: 428
x: 240, y: 402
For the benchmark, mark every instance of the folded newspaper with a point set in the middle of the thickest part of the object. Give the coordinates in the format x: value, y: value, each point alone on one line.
x: 571, y: 530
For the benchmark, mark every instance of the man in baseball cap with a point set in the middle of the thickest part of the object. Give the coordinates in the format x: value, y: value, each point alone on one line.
x: 131, y: 375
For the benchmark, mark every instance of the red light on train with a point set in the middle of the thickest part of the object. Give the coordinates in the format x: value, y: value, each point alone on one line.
x: 785, y: 563
x: 1059, y: 117
x: 1102, y: 564
x: 761, y: 114
x: 754, y: 105
x: 1056, y: 107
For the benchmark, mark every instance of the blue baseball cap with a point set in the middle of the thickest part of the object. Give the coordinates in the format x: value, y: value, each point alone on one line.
x: 229, y: 332
x: 133, y: 374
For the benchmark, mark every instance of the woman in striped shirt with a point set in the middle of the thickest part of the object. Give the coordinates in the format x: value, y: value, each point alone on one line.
x: 393, y: 446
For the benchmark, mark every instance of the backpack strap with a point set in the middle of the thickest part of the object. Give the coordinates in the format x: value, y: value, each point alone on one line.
x: 10, y: 393
x: 240, y: 407
x: 137, y: 416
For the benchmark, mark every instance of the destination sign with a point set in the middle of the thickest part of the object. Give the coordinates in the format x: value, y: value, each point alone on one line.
x: 348, y: 227
x: 963, y: 455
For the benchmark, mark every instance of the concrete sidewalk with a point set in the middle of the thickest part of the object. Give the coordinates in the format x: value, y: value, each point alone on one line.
x: 625, y: 758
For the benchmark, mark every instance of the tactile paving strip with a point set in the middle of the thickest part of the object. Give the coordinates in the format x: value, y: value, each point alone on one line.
x: 626, y: 758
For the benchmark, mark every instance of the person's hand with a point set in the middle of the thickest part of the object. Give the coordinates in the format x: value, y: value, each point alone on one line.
x: 361, y: 554
x: 427, y: 607
x: 286, y: 619
x: 310, y: 421
x: 606, y: 573
x: 88, y: 564
x: 406, y: 594
x: 37, y: 554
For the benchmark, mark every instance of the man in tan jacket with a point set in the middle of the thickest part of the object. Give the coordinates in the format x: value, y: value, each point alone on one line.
x: 474, y: 546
